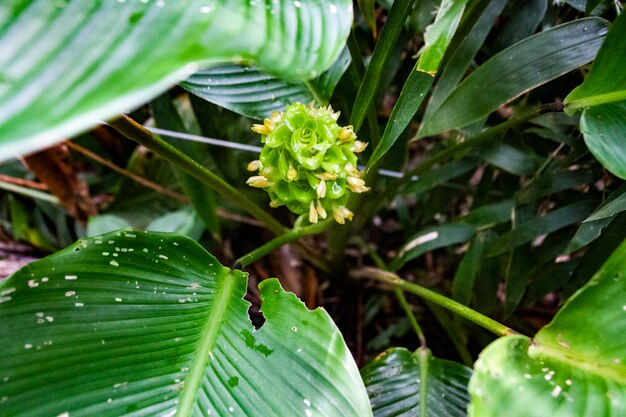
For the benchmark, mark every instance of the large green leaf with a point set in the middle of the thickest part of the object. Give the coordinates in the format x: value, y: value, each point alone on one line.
x: 604, y: 130
x: 606, y: 82
x: 66, y: 65
x: 512, y: 72
x: 574, y: 367
x: 254, y: 93
x: 134, y: 323
x: 393, y: 382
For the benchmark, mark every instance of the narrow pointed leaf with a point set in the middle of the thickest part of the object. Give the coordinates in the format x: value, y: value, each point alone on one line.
x: 432, y: 238
x: 462, y: 56
x: 606, y: 82
x: 134, y: 323
x: 437, y: 38
x: 393, y: 383
x: 538, y: 226
x: 384, y: 46
x: 67, y: 65
x: 516, y: 70
x: 574, y: 367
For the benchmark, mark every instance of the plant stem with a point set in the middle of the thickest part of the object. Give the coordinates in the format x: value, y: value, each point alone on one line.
x: 133, y: 130
x: 274, y: 244
x: 445, y: 302
x: 409, y: 313
x: 29, y: 192
x: 139, y: 180
x: 425, y: 355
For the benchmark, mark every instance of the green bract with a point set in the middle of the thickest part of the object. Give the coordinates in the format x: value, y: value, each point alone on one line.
x: 308, y: 162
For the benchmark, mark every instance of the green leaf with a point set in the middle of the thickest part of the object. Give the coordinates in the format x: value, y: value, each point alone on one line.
x: 393, y: 382
x: 574, y: 367
x: 462, y: 56
x: 552, y: 221
x: 105, y: 223
x: 437, y: 38
x: 597, y: 253
x: 592, y: 226
x: 606, y: 82
x: 65, y: 68
x: 470, y: 268
x: 384, y: 47
x: 552, y: 182
x: 134, y: 323
x: 516, y: 70
x: 489, y: 215
x: 368, y: 11
x: 254, y: 93
x: 604, y: 130
x: 184, y: 222
x: 441, y: 175
x: 508, y: 158
x: 432, y: 238
x: 610, y: 209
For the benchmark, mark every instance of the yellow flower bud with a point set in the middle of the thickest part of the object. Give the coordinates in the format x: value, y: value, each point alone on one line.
x: 292, y: 173
x: 259, y: 181
x: 320, y: 210
x: 326, y: 176
x: 340, y: 213
x: 358, y: 146
x: 312, y: 213
x: 356, y: 185
x: 254, y: 165
x: 346, y: 134
x: 321, y: 189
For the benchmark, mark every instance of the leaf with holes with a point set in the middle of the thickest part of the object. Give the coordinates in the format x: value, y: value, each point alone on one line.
x: 574, y: 367
x: 65, y: 65
x: 151, y: 324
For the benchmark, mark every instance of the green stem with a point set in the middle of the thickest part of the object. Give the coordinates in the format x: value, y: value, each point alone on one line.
x: 596, y: 100
x: 425, y: 354
x: 445, y: 302
x: 29, y: 192
x: 276, y: 243
x: 133, y: 130
x: 409, y: 313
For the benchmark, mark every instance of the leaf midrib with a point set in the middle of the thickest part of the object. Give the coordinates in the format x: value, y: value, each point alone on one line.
x: 206, y: 343
x: 574, y: 359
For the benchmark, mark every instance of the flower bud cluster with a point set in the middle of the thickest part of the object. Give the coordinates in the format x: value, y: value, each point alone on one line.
x: 308, y: 163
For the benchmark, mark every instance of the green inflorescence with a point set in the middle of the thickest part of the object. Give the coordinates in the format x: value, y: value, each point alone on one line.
x: 308, y: 162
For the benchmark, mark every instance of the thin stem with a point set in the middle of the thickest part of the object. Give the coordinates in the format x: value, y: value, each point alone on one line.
x: 276, y: 243
x: 156, y: 187
x: 399, y: 293
x: 133, y: 130
x: 29, y: 192
x: 24, y: 182
x: 409, y: 313
x: 140, y: 180
x: 445, y: 302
